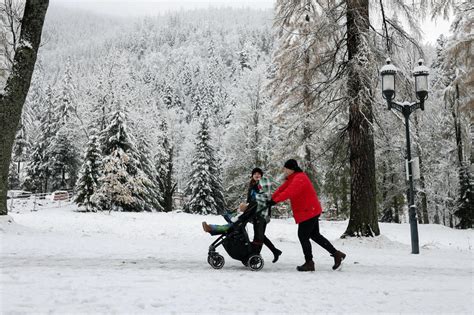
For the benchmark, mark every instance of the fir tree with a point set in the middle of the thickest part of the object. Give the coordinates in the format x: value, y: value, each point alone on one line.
x: 123, y: 183
x: 465, y: 210
x: 65, y: 102
x: 20, y: 147
x: 62, y: 160
x: 88, y: 181
x: 458, y: 96
x: 13, y: 177
x: 153, y: 197
x: 164, y: 168
x: 204, y: 186
x: 37, y: 169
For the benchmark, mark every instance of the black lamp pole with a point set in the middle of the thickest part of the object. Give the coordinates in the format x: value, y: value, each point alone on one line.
x: 388, y: 73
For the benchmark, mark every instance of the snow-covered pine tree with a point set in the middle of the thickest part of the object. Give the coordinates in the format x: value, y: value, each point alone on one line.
x: 37, y: 168
x: 20, y: 147
x: 465, y: 204
x: 88, y: 181
x: 100, y: 110
x: 204, y: 187
x: 65, y: 104
x: 153, y: 197
x: 164, y: 167
x: 13, y: 177
x: 122, y: 186
x: 247, y: 143
x: 63, y: 160
x: 458, y: 97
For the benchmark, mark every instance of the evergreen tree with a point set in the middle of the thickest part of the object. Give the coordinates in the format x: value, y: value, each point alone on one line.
x: 164, y: 167
x: 465, y: 206
x: 63, y: 161
x: 247, y: 141
x: 65, y: 105
x: 122, y: 186
x: 153, y: 197
x: 204, y: 186
x: 20, y: 147
x: 13, y: 177
x: 458, y: 97
x: 88, y: 181
x: 38, y: 169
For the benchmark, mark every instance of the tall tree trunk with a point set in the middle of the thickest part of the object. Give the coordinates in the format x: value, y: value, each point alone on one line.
x: 422, y: 193
x: 308, y: 101
x: 170, y: 187
x: 363, y: 217
x: 387, y: 213
x: 256, y: 122
x: 457, y: 128
x: 396, y: 215
x: 17, y: 86
x: 422, y: 202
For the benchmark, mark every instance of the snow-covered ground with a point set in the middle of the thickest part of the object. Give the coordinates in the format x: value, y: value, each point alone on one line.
x: 59, y: 261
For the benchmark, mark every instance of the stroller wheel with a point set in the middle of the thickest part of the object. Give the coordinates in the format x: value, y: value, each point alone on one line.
x: 255, y: 262
x: 216, y: 261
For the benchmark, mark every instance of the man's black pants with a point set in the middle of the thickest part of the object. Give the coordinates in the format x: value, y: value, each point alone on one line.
x: 309, y: 229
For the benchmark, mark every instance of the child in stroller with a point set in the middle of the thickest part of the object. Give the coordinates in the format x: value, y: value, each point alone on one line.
x: 234, y: 236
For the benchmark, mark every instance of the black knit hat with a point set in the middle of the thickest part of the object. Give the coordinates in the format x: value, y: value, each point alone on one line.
x: 291, y: 164
x: 257, y: 170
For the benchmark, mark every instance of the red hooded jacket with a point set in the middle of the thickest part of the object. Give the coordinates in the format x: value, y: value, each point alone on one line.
x: 303, y: 198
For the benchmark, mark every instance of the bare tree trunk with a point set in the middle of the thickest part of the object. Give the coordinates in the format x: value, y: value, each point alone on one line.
x: 396, y: 215
x: 17, y: 86
x: 308, y: 101
x: 256, y: 107
x: 422, y: 203
x: 424, y: 200
x: 363, y: 217
x: 170, y: 186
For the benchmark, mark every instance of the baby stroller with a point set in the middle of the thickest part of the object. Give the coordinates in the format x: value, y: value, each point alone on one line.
x: 237, y: 244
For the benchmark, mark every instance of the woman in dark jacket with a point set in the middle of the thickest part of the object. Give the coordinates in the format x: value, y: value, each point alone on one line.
x: 260, y: 221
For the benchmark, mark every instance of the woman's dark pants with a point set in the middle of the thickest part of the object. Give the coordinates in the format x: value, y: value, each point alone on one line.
x: 259, y: 227
x: 309, y: 229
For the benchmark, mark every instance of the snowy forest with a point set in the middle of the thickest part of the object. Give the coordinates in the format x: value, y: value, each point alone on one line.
x: 133, y: 113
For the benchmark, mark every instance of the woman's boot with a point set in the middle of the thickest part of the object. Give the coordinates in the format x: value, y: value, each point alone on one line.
x: 338, y: 258
x: 276, y: 254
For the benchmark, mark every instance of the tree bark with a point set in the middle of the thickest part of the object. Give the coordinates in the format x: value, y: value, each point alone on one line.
x: 363, y: 217
x: 17, y: 86
x: 422, y: 202
x: 308, y: 101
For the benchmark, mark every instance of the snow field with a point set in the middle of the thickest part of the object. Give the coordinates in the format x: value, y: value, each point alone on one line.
x: 59, y: 261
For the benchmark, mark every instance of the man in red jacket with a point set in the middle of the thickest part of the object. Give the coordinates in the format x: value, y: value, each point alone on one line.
x: 306, y: 211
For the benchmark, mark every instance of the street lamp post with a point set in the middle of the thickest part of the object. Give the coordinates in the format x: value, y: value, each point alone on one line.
x: 420, y: 73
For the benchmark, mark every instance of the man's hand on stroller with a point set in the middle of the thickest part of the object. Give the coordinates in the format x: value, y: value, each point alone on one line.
x: 271, y: 203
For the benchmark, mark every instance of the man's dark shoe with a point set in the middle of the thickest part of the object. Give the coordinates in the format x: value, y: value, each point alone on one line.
x: 276, y: 255
x: 338, y: 258
x: 308, y: 266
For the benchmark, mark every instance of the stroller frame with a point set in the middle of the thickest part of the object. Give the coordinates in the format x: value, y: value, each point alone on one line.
x: 234, y: 241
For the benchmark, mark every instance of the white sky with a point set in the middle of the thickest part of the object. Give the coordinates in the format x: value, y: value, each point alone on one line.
x: 431, y: 29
